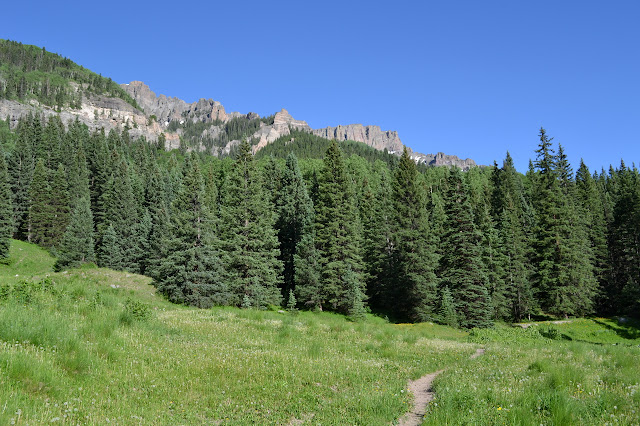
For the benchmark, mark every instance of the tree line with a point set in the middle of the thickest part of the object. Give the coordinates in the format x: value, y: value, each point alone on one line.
x: 339, y: 233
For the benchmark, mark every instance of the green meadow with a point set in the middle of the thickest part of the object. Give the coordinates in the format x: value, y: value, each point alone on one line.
x: 95, y: 346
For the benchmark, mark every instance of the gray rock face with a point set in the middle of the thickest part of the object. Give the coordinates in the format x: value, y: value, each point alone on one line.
x: 114, y: 113
x: 441, y: 159
x: 370, y: 135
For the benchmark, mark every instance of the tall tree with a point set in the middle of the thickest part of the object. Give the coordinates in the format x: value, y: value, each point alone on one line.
x: 338, y: 234
x: 191, y: 272
x: 39, y: 209
x: 6, y: 210
x: 248, y: 237
x: 461, y: 267
x: 58, y: 207
x: 415, y: 289
x: 295, y: 219
x: 76, y: 246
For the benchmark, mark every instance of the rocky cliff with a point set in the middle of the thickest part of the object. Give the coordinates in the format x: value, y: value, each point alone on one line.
x: 177, y: 119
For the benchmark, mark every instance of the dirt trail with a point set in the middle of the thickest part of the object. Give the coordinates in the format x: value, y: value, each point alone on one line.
x: 423, y: 394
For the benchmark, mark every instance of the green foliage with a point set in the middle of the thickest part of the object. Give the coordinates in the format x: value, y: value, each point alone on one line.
x: 249, y: 244
x: 6, y: 209
x: 77, y: 245
x: 135, y: 310
x: 29, y: 72
x: 338, y: 236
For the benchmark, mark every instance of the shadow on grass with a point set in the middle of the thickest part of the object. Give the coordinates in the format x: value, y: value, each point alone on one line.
x: 626, y: 328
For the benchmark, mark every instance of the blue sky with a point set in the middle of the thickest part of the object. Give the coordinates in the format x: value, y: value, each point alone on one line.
x: 469, y: 78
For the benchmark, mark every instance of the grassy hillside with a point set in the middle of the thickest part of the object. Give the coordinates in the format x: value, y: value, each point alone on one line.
x: 93, y: 346
x: 30, y: 72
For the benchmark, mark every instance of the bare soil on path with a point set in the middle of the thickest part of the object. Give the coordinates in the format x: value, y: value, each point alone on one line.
x: 422, y: 395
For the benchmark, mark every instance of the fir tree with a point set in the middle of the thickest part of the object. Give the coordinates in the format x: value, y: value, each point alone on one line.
x: 461, y: 266
x: 337, y: 234
x: 21, y: 165
x: 77, y: 242
x: 59, y: 209
x: 109, y: 254
x: 295, y: 219
x: 248, y: 238
x: 6, y: 210
x: 39, y: 209
x: 191, y: 272
x: 415, y: 288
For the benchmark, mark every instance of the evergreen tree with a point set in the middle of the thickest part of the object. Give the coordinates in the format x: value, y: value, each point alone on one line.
x: 248, y: 238
x: 461, y: 267
x: 623, y: 290
x: 6, y: 210
x: 415, y: 289
x: 109, y: 253
x: 191, y: 272
x: 39, y: 209
x: 77, y: 242
x: 337, y: 234
x: 295, y: 219
x: 308, y: 274
x: 58, y: 207
x: 21, y: 165
x: 564, y: 271
x: 378, y: 217
x: 448, y: 314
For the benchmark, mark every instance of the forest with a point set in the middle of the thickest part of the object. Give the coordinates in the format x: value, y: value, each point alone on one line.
x: 337, y: 232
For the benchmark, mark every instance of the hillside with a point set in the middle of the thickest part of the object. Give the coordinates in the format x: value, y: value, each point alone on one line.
x: 96, y: 346
x: 35, y: 81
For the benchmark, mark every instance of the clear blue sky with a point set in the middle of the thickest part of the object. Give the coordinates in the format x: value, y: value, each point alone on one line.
x: 470, y: 78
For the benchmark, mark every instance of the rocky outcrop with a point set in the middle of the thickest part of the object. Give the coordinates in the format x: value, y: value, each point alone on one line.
x: 370, y: 135
x: 114, y: 113
x: 283, y: 122
x: 442, y: 159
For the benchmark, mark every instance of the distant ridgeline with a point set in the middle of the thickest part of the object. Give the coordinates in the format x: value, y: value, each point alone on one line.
x: 31, y: 73
x: 351, y: 234
x: 175, y: 193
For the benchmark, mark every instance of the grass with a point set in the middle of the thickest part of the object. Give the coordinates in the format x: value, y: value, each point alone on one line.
x: 95, y: 346
x: 584, y: 372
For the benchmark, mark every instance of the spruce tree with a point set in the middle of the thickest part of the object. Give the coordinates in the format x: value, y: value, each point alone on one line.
x: 39, y: 209
x: 77, y: 242
x: 109, y: 253
x: 191, y: 272
x: 564, y: 273
x: 378, y: 218
x: 21, y: 165
x: 338, y: 234
x: 6, y: 210
x: 461, y: 268
x: 295, y: 218
x: 248, y: 237
x: 414, y: 293
x: 58, y: 206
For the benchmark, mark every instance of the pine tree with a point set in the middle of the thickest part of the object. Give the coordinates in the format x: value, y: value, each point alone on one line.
x: 77, y: 242
x: 415, y: 288
x: 109, y: 254
x: 564, y: 271
x: 308, y: 275
x: 39, y: 209
x: 378, y: 217
x: 623, y: 290
x: 461, y: 267
x: 6, y: 210
x: 58, y: 207
x: 191, y: 273
x: 295, y: 219
x: 448, y: 314
x: 337, y: 234
x: 21, y: 165
x: 248, y: 238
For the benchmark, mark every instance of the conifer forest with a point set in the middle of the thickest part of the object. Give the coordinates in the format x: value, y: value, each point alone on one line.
x: 333, y: 231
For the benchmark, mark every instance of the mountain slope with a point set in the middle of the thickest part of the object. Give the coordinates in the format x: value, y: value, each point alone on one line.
x: 35, y: 81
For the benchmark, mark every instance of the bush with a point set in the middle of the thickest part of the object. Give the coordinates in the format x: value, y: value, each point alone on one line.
x: 135, y: 311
